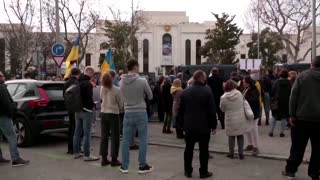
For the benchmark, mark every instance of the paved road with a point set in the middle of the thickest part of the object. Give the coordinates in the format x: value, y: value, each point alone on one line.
x: 49, y: 162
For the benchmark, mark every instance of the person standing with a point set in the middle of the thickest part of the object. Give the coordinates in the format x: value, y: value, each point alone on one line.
x: 304, y: 111
x: 292, y: 77
x: 134, y: 89
x: 158, y: 98
x: 184, y: 83
x: 176, y: 91
x: 112, y: 103
x: 84, y: 118
x: 197, y: 116
x: 251, y: 94
x: 7, y: 107
x: 75, y: 75
x: 266, y: 88
x: 255, y: 75
x: 280, y: 98
x: 167, y: 102
x: 232, y: 103
x: 215, y: 82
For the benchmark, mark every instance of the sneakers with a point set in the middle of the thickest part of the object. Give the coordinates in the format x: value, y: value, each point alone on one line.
x: 78, y: 156
x: 4, y: 161
x: 91, y: 158
x: 249, y: 148
x: 145, y: 169
x: 115, y: 163
x: 20, y: 162
x: 124, y: 171
x: 288, y: 175
x: 207, y: 175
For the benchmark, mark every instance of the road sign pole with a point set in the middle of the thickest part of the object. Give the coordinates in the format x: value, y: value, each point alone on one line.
x: 57, y: 30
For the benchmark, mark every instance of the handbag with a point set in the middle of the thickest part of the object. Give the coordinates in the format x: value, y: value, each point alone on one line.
x: 274, y: 105
x: 247, y: 110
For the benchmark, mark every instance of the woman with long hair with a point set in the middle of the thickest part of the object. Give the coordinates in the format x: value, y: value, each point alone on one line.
x: 112, y: 103
x: 167, y: 102
x: 176, y: 91
x: 251, y: 94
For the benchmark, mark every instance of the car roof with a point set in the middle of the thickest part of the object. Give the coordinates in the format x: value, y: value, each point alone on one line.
x: 32, y: 81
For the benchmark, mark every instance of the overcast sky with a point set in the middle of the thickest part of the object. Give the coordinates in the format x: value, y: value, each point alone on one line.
x: 197, y: 10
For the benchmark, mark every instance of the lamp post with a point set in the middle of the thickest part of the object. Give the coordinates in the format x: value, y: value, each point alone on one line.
x: 314, y: 31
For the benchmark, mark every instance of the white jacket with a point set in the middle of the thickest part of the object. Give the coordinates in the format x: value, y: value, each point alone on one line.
x: 235, y: 120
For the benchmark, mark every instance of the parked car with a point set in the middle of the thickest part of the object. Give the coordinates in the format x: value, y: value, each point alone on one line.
x: 40, y: 107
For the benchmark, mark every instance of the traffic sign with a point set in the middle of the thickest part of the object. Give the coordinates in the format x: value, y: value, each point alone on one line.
x: 58, y: 60
x: 58, y: 49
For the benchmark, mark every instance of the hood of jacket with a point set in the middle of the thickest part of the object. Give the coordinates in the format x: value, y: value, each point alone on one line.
x: 174, y: 89
x: 232, y: 95
x: 129, y: 78
x: 314, y: 73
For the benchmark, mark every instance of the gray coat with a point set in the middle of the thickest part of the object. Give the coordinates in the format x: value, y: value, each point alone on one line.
x: 232, y: 104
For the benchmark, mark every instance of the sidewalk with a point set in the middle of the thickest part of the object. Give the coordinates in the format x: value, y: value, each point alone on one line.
x: 270, y: 148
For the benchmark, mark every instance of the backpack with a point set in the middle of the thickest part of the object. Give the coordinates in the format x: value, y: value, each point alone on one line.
x: 72, y: 98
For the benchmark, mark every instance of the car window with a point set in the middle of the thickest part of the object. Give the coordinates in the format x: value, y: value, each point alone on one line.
x: 21, y: 89
x: 12, y: 89
x: 54, y: 91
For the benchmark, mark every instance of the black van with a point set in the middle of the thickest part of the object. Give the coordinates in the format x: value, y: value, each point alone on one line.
x: 292, y: 67
x: 224, y: 70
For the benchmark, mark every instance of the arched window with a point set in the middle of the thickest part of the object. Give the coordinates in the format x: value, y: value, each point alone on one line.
x: 167, y: 49
x: 146, y: 56
x: 198, y: 53
x: 188, y: 52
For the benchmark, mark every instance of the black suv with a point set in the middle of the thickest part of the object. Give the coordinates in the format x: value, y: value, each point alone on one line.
x: 40, y: 107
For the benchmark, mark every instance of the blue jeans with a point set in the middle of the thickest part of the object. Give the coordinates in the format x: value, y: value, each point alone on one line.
x: 6, y: 127
x: 139, y: 121
x: 83, y: 123
x: 283, y: 125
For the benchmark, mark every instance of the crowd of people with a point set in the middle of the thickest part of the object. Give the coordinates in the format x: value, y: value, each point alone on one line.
x: 193, y: 108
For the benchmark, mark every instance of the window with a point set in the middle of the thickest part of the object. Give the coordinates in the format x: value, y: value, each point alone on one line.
x: 145, y: 56
x: 284, y: 58
x: 198, y: 53
x: 54, y: 91
x: 12, y: 89
x: 243, y: 56
x: 21, y: 89
x: 167, y: 49
x: 188, y: 52
x: 88, y: 59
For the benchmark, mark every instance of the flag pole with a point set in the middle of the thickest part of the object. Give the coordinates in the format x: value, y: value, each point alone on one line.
x: 57, y: 29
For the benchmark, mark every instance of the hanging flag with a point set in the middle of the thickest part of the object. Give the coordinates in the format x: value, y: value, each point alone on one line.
x: 108, y: 63
x: 72, y: 57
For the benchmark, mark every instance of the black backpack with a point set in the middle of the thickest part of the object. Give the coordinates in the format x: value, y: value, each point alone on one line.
x: 72, y: 98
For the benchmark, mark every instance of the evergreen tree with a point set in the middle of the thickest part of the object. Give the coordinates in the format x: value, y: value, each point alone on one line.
x: 221, y: 41
x: 270, y: 45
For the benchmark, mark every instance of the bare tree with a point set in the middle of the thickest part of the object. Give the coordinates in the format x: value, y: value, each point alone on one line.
x: 20, y: 41
x: 82, y: 21
x: 290, y: 18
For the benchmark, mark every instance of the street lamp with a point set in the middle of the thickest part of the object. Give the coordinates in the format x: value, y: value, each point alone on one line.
x: 314, y: 31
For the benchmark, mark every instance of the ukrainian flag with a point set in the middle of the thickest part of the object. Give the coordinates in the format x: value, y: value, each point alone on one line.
x: 73, y: 56
x: 108, y: 62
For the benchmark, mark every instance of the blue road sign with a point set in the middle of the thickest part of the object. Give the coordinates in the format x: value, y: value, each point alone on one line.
x: 58, y: 49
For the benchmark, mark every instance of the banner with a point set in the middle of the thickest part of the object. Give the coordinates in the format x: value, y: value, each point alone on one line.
x: 167, y: 49
x: 250, y: 64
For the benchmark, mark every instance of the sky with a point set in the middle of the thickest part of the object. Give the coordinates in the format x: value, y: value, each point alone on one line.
x: 197, y: 10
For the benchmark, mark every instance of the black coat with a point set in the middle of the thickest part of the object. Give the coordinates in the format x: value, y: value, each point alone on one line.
x: 7, y: 106
x: 86, y: 92
x: 216, y: 84
x: 197, y: 109
x: 281, y: 91
x: 167, y: 98
x: 252, y: 96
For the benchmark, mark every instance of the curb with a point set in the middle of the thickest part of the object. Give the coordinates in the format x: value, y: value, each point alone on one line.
x: 260, y: 156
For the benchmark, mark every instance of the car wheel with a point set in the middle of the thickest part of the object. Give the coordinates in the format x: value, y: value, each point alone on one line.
x: 23, y: 132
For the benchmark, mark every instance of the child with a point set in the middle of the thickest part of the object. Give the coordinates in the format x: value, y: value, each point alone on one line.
x: 176, y: 91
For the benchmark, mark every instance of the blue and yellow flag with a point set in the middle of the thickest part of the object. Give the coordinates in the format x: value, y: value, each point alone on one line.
x: 73, y: 56
x: 108, y: 62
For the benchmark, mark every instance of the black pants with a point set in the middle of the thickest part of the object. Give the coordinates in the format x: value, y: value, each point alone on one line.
x: 160, y: 111
x: 72, y: 126
x: 110, y: 122
x: 191, y: 139
x: 232, y: 143
x: 300, y: 135
x: 221, y: 117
